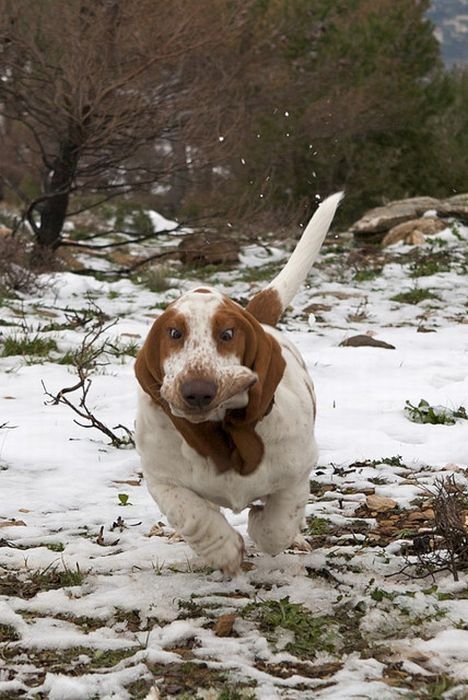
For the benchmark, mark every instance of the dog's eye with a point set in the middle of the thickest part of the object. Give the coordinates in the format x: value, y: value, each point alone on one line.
x: 174, y: 333
x: 228, y: 334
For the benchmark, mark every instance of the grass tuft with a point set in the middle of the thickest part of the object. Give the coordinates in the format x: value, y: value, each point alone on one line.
x: 312, y: 633
x: 435, y: 415
x: 28, y: 346
x: 414, y: 296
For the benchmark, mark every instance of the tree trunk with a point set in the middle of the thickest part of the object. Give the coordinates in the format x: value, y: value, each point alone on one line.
x: 53, y: 210
x: 179, y: 178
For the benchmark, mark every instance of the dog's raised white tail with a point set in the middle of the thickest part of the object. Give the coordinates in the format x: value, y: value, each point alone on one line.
x: 268, y: 305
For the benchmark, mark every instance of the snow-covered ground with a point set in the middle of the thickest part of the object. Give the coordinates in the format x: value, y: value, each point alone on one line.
x: 100, y: 599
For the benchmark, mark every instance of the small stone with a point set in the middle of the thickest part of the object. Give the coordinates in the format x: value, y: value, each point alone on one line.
x: 12, y: 523
x: 380, y: 504
x: 224, y: 625
x: 414, y: 231
x: 415, y: 516
x: 359, y: 341
x: 208, y: 249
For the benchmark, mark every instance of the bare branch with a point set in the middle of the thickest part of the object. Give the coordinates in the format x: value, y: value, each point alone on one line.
x: 89, y: 356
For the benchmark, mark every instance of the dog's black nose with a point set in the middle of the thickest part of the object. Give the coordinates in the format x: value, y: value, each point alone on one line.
x: 198, y: 393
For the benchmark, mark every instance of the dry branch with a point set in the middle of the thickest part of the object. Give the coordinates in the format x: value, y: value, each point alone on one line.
x: 445, y: 546
x: 88, y: 357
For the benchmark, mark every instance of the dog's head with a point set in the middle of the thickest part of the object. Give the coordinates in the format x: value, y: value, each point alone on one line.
x: 206, y: 359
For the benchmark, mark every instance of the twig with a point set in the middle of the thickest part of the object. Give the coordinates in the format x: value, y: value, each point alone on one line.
x: 85, y: 362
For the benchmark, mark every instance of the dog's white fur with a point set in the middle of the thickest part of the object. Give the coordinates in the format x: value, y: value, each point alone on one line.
x: 188, y: 487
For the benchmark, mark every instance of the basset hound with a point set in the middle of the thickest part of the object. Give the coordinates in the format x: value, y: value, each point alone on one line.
x: 226, y: 412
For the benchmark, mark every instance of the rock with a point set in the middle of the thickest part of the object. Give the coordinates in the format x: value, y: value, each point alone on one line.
x: 208, y: 249
x: 381, y: 219
x: 359, y: 341
x: 317, y: 308
x: 339, y: 295
x: 224, y: 625
x: 380, y: 504
x: 384, y: 218
x: 414, y: 231
x: 457, y: 206
x: 12, y: 523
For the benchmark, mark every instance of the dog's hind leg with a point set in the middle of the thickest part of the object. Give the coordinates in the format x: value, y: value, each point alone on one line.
x: 275, y: 526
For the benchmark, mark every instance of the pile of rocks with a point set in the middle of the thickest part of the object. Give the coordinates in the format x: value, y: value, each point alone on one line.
x: 410, y: 220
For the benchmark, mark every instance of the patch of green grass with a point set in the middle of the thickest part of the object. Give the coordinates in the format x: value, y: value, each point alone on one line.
x: 68, y: 358
x: 312, y: 633
x: 86, y: 624
x: 260, y: 273
x: 436, y: 689
x: 188, y: 678
x: 395, y: 461
x: 459, y: 595
x: 55, y: 546
x: 236, y: 692
x: 8, y: 633
x: 52, y: 577
x: 191, y: 609
x: 120, y: 350
x: 156, y: 279
x: 367, y: 275
x: 435, y: 415
x: 28, y: 346
x: 83, y: 356
x: 132, y: 217
x: 317, y: 526
x: 414, y: 296
x: 28, y: 583
x: 430, y: 265
x: 73, y: 661
x: 378, y: 594
x: 106, y: 658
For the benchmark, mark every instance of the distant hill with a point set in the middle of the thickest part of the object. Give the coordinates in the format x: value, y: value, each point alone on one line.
x: 451, y: 20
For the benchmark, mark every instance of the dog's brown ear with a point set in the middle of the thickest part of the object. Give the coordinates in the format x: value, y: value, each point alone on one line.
x: 148, y: 363
x: 266, y: 306
x: 156, y: 348
x: 262, y: 354
x: 264, y: 357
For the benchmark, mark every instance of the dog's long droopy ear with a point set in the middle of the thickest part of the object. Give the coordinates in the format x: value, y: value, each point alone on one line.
x: 148, y: 369
x: 262, y: 354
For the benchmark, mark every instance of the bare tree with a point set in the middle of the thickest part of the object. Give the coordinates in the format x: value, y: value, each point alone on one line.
x: 109, y: 93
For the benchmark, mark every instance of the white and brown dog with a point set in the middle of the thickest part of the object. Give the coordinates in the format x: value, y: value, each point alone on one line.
x: 226, y: 413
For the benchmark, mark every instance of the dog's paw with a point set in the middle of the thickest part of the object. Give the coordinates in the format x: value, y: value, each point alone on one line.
x: 300, y: 544
x: 269, y: 535
x: 228, y: 557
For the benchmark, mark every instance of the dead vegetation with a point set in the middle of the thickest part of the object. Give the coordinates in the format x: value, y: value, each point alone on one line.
x: 90, y: 356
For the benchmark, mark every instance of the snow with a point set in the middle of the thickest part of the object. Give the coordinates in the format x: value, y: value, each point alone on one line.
x: 62, y: 481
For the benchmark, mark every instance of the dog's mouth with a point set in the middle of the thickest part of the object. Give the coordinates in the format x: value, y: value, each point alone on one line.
x: 201, y: 400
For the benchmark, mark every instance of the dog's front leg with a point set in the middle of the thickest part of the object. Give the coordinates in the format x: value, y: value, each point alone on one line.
x: 274, y: 526
x: 202, y: 525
